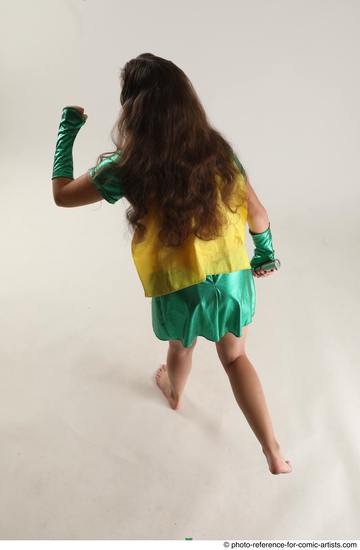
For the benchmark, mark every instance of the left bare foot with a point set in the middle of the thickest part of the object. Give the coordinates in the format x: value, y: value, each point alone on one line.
x: 162, y: 380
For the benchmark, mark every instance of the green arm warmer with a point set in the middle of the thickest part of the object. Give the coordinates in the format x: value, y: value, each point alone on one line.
x: 71, y: 122
x: 264, y: 251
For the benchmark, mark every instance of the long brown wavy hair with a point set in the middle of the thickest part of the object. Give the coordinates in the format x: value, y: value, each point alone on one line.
x: 171, y: 157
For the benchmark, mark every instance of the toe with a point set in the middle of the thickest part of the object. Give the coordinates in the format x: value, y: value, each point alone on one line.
x: 159, y: 372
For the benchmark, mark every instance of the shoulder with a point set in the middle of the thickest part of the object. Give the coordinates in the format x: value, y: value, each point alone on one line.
x: 239, y: 164
x: 106, y: 177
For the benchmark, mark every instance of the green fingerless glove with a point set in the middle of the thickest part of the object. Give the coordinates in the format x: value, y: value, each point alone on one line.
x: 264, y: 251
x: 71, y: 121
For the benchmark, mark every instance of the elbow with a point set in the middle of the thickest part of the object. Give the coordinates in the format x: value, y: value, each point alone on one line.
x: 57, y: 199
x: 258, y: 213
x: 258, y: 221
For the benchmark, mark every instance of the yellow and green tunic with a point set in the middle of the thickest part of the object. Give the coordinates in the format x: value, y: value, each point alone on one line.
x: 202, y: 288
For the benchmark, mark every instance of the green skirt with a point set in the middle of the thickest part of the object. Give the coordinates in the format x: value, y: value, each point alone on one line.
x: 222, y: 303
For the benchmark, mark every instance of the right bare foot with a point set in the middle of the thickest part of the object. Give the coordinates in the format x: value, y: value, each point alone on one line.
x: 277, y: 464
x: 162, y: 380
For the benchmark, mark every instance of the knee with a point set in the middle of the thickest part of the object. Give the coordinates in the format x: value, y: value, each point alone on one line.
x: 229, y: 362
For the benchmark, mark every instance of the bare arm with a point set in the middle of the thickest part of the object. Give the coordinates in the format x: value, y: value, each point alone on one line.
x: 76, y: 192
x: 258, y: 220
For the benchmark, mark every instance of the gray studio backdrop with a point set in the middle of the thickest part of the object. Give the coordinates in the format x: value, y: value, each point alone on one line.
x: 89, y: 447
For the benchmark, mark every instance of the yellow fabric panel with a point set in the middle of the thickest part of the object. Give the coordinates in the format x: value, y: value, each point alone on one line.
x: 164, y: 269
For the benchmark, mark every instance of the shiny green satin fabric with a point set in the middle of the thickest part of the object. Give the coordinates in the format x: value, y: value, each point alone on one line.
x: 264, y: 251
x: 71, y: 122
x: 221, y: 303
x: 106, y: 176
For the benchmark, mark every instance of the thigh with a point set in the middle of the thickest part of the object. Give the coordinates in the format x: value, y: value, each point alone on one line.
x: 229, y: 347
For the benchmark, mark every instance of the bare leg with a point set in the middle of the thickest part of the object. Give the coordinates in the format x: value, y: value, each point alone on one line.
x: 172, y: 376
x: 250, y: 397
